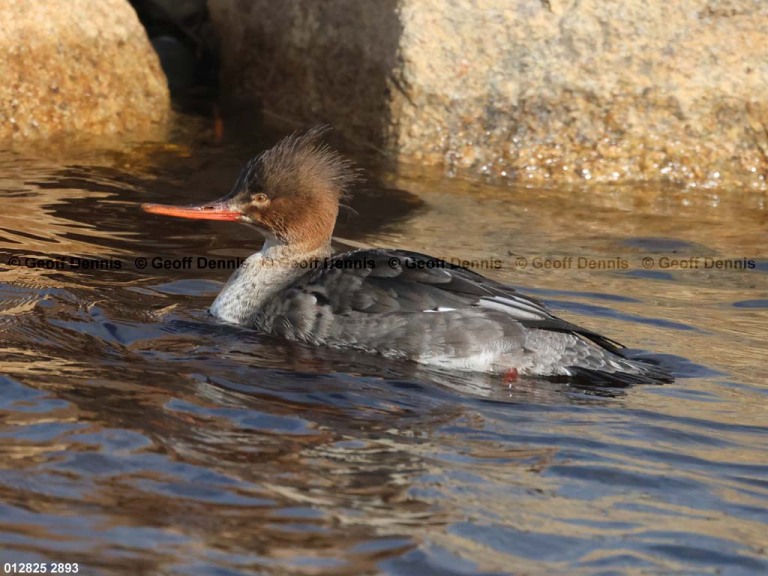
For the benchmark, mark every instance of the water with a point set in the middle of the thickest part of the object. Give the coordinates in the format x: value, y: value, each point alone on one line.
x: 137, y: 436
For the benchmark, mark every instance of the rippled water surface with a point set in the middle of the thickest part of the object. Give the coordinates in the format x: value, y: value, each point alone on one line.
x: 138, y: 436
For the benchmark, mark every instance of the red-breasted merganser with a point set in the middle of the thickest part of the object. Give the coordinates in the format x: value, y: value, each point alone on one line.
x: 392, y: 302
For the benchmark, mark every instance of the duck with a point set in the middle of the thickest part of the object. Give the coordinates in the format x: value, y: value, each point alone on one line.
x: 395, y: 303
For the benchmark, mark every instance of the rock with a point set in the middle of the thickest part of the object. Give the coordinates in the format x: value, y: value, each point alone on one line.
x: 81, y: 67
x: 531, y: 90
x: 318, y: 61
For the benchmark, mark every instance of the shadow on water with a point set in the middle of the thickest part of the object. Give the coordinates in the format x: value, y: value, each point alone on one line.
x: 139, y: 436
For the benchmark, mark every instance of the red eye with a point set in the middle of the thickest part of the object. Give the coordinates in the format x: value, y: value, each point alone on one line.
x: 261, y: 198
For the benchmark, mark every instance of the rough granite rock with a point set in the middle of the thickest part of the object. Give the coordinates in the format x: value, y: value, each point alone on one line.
x: 320, y: 61
x: 80, y: 67
x: 534, y: 90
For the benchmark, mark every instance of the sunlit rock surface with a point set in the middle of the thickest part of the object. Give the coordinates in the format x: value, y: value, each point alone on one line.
x: 77, y: 67
x: 532, y: 90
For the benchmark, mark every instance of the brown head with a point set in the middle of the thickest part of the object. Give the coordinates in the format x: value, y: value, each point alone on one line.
x: 290, y: 193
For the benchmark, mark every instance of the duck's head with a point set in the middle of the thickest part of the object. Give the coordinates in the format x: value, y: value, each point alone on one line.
x: 290, y: 193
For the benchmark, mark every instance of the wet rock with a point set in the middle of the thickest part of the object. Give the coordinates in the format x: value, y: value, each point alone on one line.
x: 531, y: 90
x: 80, y: 67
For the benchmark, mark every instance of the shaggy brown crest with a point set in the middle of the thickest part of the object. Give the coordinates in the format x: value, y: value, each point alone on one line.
x: 301, y: 165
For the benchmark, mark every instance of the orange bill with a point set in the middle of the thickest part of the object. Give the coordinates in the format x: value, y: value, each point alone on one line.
x: 214, y: 211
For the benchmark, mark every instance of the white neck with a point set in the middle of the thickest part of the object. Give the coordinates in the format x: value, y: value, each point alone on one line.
x: 271, y: 246
x: 262, y: 276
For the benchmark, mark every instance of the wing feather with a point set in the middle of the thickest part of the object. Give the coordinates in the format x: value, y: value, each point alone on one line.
x: 398, y: 281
